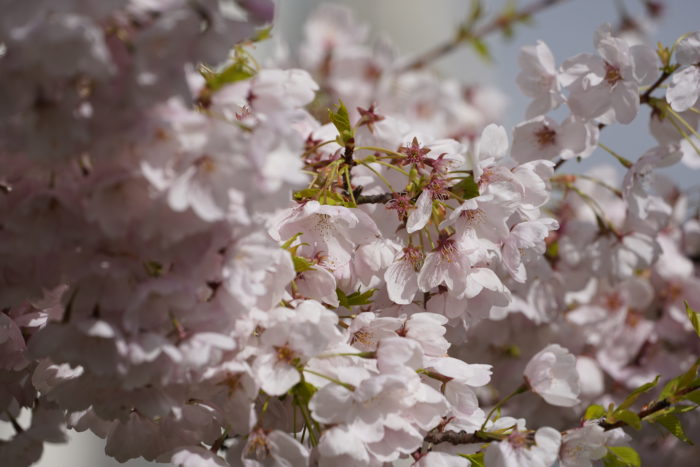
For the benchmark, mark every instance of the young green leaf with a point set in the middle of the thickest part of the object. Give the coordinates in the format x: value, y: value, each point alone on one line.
x: 594, y: 411
x: 622, y: 456
x: 466, y: 188
x: 355, y: 298
x: 477, y: 459
x: 694, y: 318
x: 630, y: 418
x: 638, y: 392
x: 341, y: 120
x: 481, y: 48
x: 673, y: 425
x: 693, y: 396
x: 680, y: 382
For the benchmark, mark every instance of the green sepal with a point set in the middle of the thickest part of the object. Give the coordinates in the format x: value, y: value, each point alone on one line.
x: 302, y: 264
x: 467, y: 188
x: 303, y: 391
x: 355, y: 299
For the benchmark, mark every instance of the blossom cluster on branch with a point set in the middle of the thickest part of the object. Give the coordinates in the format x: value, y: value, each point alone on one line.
x: 338, y: 258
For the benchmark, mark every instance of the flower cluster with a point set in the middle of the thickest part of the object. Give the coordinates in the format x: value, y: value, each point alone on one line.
x: 209, y: 262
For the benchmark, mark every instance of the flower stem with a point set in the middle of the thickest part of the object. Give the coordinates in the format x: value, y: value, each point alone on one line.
x: 521, y: 389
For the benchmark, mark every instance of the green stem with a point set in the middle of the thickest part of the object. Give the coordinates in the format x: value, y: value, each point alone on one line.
x: 625, y: 162
x: 382, y: 150
x: 521, y: 389
x: 381, y: 177
x: 308, y: 422
x: 349, y: 354
x: 685, y: 136
x: 392, y: 166
x: 347, y: 386
x: 350, y: 190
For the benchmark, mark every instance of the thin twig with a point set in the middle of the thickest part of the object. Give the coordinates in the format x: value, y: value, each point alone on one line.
x: 381, y: 198
x: 497, y: 23
x: 650, y: 409
x: 644, y: 98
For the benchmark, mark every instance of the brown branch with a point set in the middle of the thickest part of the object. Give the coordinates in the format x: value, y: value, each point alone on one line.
x: 650, y: 409
x: 458, y: 437
x: 498, y: 23
x: 644, y: 98
x: 436, y: 436
x: 375, y: 199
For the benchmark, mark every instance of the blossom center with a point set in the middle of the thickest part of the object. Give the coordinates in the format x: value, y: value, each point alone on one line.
x: 364, y: 337
x: 472, y: 216
x: 257, y: 445
x: 205, y: 164
x: 545, y: 136
x: 285, y: 354
x: 612, y: 74
x: 414, y: 256
x: 447, y: 248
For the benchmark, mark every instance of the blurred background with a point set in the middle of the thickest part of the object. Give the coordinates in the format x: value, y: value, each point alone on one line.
x: 417, y: 25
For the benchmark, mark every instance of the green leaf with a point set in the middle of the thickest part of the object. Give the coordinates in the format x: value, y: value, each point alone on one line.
x: 673, y: 425
x: 638, y: 392
x: 629, y: 417
x: 477, y: 459
x: 262, y: 34
x: 693, y: 396
x: 466, y: 188
x: 621, y: 456
x: 302, y: 264
x: 481, y: 48
x: 683, y: 381
x: 594, y: 411
x: 694, y: 318
x: 552, y: 252
x: 153, y: 268
x: 355, y: 298
x: 239, y: 70
x: 329, y: 197
x: 341, y: 121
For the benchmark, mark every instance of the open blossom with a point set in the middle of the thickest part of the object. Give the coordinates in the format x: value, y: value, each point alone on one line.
x: 543, y: 138
x: 332, y: 232
x: 491, y: 148
x: 539, y: 79
x: 293, y: 337
x: 606, y: 86
x: 582, y: 445
x: 448, y: 264
x: 517, y: 451
x: 402, y: 275
x: 551, y: 373
x: 198, y: 263
x: 684, y: 90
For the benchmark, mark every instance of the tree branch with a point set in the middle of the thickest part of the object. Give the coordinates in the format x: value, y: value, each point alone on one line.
x: 498, y: 23
x: 644, y: 98
x: 375, y: 199
x: 650, y: 409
